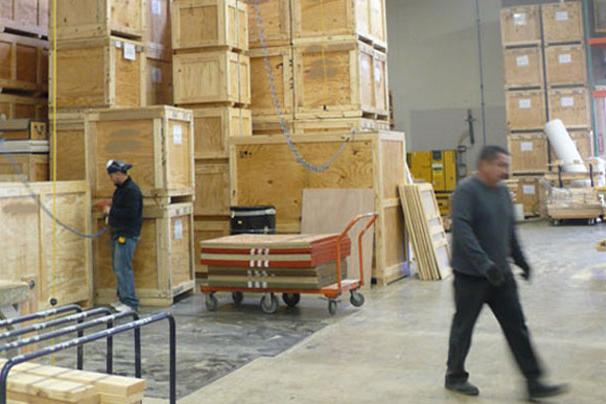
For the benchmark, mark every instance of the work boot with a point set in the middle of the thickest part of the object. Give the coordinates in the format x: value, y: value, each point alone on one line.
x: 465, y: 388
x: 537, y: 390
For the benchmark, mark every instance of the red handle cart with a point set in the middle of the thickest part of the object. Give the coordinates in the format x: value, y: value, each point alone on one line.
x: 269, y: 301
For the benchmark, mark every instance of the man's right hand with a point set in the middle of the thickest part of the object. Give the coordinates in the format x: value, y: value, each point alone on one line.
x: 495, y: 276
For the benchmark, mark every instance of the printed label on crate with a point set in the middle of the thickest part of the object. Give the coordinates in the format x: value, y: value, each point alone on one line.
x: 156, y: 7
x: 561, y: 16
x: 525, y: 103
x: 522, y: 60
x: 129, y: 51
x: 567, y: 102
x: 177, y: 134
x: 565, y: 58
x: 178, y: 229
x: 378, y: 75
x: 519, y: 19
x: 526, y: 146
x: 528, y: 189
x: 156, y: 74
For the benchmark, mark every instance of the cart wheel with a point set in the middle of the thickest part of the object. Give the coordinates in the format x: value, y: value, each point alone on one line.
x: 357, y: 299
x: 269, y: 304
x: 212, y: 303
x: 332, y: 307
x: 237, y: 297
x: 555, y: 222
x: 291, y: 299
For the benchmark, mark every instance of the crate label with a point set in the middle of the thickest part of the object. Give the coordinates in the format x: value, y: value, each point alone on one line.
x: 522, y: 60
x: 524, y: 103
x: 519, y: 18
x: 156, y: 7
x: 178, y: 229
x: 156, y: 74
x: 130, y: 51
x: 177, y: 134
x: 526, y: 146
x: 378, y: 74
x: 565, y: 58
x: 528, y: 190
x: 561, y: 16
x: 567, y: 102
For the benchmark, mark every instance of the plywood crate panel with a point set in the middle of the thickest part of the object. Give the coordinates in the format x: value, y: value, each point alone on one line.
x: 571, y: 105
x: 334, y: 79
x: 24, y: 167
x: 563, y: 22
x: 526, y: 110
x: 23, y: 63
x: 207, y: 229
x: 69, y: 153
x: 566, y: 65
x: 164, y: 258
x: 28, y: 16
x: 159, y: 76
x: 529, y: 193
x: 281, y: 63
x: 523, y: 67
x: 157, y: 34
x: 214, y: 126
x: 23, y: 129
x: 100, y: 73
x: 339, y: 126
x: 212, y: 77
x: 340, y: 20
x: 276, y: 18
x: 23, y: 107
x: 100, y: 18
x: 212, y: 188
x: 264, y: 171
x: 29, y: 235
x: 158, y: 141
x: 529, y: 152
x: 273, y: 125
x: 210, y: 24
x: 521, y: 25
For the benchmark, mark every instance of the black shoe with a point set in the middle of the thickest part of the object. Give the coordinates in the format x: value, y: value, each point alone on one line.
x: 465, y: 388
x: 539, y: 390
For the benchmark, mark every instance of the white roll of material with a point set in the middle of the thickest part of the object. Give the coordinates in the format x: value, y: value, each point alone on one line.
x: 564, y: 147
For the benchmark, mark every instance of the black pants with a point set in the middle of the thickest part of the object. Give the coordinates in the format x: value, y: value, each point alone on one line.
x: 470, y: 295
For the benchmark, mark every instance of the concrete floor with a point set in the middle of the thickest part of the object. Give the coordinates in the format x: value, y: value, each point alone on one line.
x: 394, y: 348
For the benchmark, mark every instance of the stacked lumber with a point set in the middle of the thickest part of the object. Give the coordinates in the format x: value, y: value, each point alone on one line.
x: 24, y: 154
x: 574, y: 203
x: 424, y: 224
x: 274, y: 261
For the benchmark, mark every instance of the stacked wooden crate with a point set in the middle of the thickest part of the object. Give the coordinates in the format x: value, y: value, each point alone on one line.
x: 24, y: 154
x: 158, y: 52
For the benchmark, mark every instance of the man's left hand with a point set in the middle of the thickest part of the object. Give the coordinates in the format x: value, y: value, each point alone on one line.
x: 526, y: 271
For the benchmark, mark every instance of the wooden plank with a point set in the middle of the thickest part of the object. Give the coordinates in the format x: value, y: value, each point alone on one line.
x: 23, y: 63
x: 273, y: 125
x: 28, y: 17
x: 212, y: 188
x: 24, y: 167
x: 521, y: 25
x: 23, y: 107
x: 563, y: 22
x: 566, y: 65
x: 157, y: 33
x: 207, y: 228
x: 526, y: 110
x: 529, y: 193
x: 276, y: 18
x: 523, y: 67
x: 23, y: 129
x: 159, y: 76
x: 281, y: 62
x: 529, y: 152
x: 69, y: 154
x: 571, y: 105
x: 214, y: 126
x: 339, y: 125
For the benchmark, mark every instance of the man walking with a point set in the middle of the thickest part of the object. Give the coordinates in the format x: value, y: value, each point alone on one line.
x: 484, y: 238
x: 125, y: 220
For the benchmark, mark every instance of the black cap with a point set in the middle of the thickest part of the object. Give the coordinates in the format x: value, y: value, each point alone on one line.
x: 115, y: 166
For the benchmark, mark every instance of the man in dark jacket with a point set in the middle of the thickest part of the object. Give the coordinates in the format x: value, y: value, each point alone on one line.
x: 125, y: 220
x: 484, y: 238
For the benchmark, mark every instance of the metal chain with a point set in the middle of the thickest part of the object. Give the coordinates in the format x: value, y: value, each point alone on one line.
x: 278, y: 107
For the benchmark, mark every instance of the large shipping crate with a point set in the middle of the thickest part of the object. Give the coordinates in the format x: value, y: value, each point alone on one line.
x: 275, y: 16
x: 158, y: 141
x: 68, y: 154
x: 530, y: 193
x: 163, y: 264
x: 157, y: 33
x: 23, y: 107
x: 212, y: 188
x: 213, y: 77
x: 31, y: 167
x: 100, y: 18
x: 340, y: 20
x: 159, y: 88
x: 210, y: 24
x: 521, y: 26
x: 526, y: 110
x: 207, y: 228
x: 101, y: 73
x: 529, y: 153
x: 339, y: 79
x: 280, y: 59
x: 37, y: 248
x: 23, y: 63
x: 265, y: 172
x: 566, y: 65
x: 27, y: 16
x: 523, y: 67
x: 563, y: 22
x: 214, y: 126
x: 571, y: 105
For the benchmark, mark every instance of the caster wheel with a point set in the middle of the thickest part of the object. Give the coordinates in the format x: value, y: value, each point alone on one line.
x: 237, y: 297
x: 357, y: 299
x: 269, y: 304
x: 332, y: 307
x: 291, y: 299
x: 212, y: 303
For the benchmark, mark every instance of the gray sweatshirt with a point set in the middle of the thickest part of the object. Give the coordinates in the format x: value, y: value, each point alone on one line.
x: 483, y: 229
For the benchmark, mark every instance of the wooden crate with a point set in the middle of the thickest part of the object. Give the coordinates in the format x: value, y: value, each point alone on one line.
x: 340, y: 20
x: 521, y: 26
x: 526, y: 110
x: 24, y: 167
x: 523, y: 67
x: 529, y: 152
x: 276, y: 17
x: 339, y: 126
x: 37, y: 248
x: 23, y: 107
x: 213, y: 77
x: 563, y: 22
x: 158, y: 141
x: 100, y: 18
x: 272, y: 125
x: 25, y: 16
x: 159, y: 88
x: 571, y: 105
x: 214, y: 126
x: 157, y: 34
x: 207, y: 229
x: 69, y: 154
x: 23, y: 129
x: 339, y: 79
x: 225, y: 24
x: 529, y: 193
x: 212, y: 188
x: 23, y: 63
x: 164, y: 259
x: 281, y: 62
x: 100, y: 73
x: 264, y: 172
x: 566, y: 65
